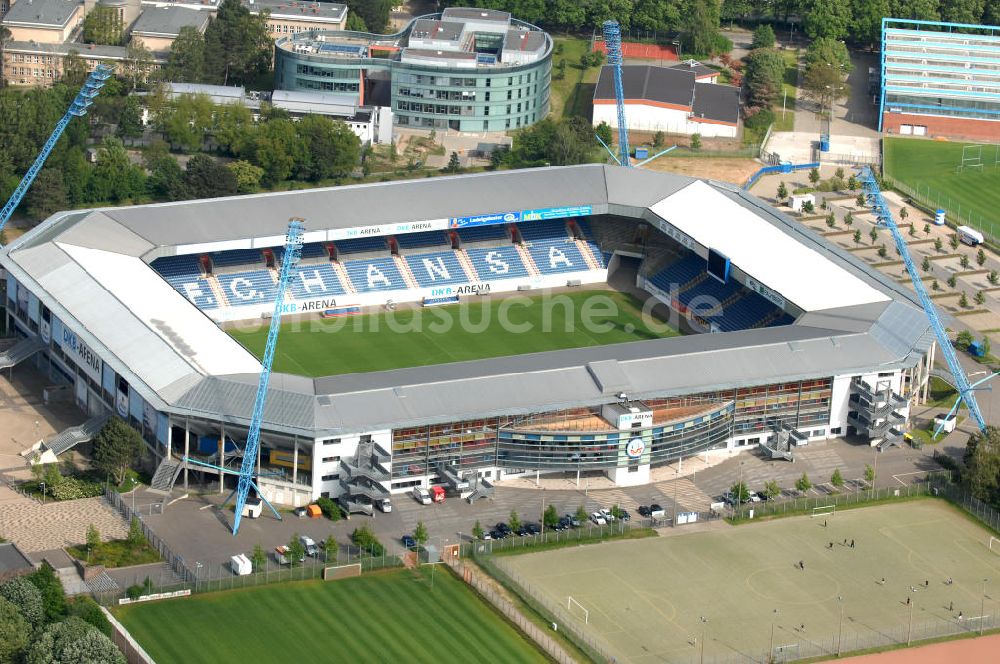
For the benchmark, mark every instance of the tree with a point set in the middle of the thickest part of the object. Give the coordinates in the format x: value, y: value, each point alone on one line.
x: 333, y: 149
x: 74, y: 70
x: 953, y: 241
x: 116, y: 447
x: 550, y: 517
x: 935, y: 285
x: 824, y: 84
x: 454, y: 166
x: 938, y: 244
x: 114, y: 178
x: 355, y: 23
x: 26, y: 596
x: 803, y: 484
x: 5, y: 36
x: 695, y: 141
x: 782, y: 191
x: 963, y: 339
x: 659, y: 138
x: 869, y: 474
x: 873, y: 234
x: 258, y: 558
x: 926, y: 264
x: 47, y: 195
x: 837, y: 479
x: 296, y: 551
x: 137, y: 64
x: 207, y: 178
x: 814, y: 176
x: 963, y: 301
x: 980, y: 298
x: 166, y: 178
x: 831, y: 220
x: 581, y: 514
x: 962, y: 11
x: 860, y: 201
x: 763, y: 37
x: 963, y: 260
x: 14, y: 632
x: 93, y: 537
x: 827, y: 18
x: 980, y: 257
x: 186, y: 120
x: 375, y: 13
x: 857, y: 237
x: 603, y: 132
x: 882, y: 251
x: 903, y: 214
x: 867, y: 20
x: 740, y: 493
x: 50, y: 587
x: 89, y: 611
x: 700, y: 27
x: 853, y: 184
x: 247, y: 176
x: 277, y: 148
x: 186, y: 60
x: 238, y: 46
x: 849, y: 220
x: 477, y: 530
x: 73, y: 641
x: 104, y: 25
x: 420, y: 534
x: 912, y: 231
x: 808, y: 207
x: 952, y: 281
x: 130, y: 119
x: 763, y: 76
x: 993, y: 277
x: 330, y: 546
x: 771, y: 490
x: 927, y: 229
x: 515, y: 521
x: 135, y: 537
x: 982, y: 465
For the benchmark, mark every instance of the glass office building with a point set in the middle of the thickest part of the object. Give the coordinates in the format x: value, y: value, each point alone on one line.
x: 463, y: 69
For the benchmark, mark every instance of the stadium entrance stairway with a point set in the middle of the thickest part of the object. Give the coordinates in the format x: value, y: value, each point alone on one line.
x: 481, y: 488
x: 165, y: 476
x: 47, y: 451
x: 20, y: 351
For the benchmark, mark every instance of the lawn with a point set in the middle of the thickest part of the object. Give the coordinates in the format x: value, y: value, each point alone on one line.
x: 490, y: 327
x: 573, y: 94
x: 384, y: 617
x: 115, y: 553
x: 929, y: 168
x: 745, y: 581
x: 788, y: 86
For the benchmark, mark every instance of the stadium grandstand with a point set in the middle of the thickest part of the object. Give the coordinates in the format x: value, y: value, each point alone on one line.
x: 786, y: 338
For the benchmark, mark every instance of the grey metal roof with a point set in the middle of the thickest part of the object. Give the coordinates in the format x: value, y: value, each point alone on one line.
x: 472, y: 13
x: 85, y: 51
x: 700, y: 69
x: 12, y: 560
x: 716, y: 102
x: 297, y: 9
x: 168, y: 21
x: 665, y: 85
x: 41, y: 13
x: 425, y: 28
x: 524, y: 40
x: 879, y: 336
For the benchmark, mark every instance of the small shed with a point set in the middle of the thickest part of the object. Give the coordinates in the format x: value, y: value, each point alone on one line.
x: 799, y: 200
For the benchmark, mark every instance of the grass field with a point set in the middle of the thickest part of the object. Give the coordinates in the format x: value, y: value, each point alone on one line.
x: 646, y: 597
x: 491, y: 327
x: 929, y: 168
x: 388, y: 617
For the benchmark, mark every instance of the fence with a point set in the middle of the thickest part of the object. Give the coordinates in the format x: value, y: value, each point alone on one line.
x: 931, y: 200
x: 176, y: 562
x: 587, y: 533
x: 134, y: 653
x: 805, y: 504
x: 777, y: 169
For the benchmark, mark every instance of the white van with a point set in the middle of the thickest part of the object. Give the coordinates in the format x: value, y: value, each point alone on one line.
x: 421, y: 495
x: 969, y: 236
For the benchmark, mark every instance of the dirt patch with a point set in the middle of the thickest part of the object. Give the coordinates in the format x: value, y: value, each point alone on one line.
x: 727, y: 169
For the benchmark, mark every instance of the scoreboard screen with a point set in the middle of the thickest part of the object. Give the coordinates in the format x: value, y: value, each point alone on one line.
x: 718, y: 265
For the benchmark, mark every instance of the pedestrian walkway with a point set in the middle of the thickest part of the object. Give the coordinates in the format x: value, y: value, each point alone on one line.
x: 36, y: 526
x: 687, y: 495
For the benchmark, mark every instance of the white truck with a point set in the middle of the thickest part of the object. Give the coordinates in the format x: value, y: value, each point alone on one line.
x: 421, y: 495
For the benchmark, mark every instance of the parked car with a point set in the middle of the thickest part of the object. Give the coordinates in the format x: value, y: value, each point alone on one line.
x: 606, y: 513
x: 565, y: 523
x: 384, y: 504
x: 494, y: 535
x: 598, y: 519
x: 421, y: 495
x: 522, y: 530
x: 624, y: 515
x: 656, y: 512
x: 503, y: 529
x: 408, y: 541
x: 752, y: 497
x: 573, y: 521
x: 309, y: 545
x: 301, y: 512
x: 533, y: 528
x: 644, y: 511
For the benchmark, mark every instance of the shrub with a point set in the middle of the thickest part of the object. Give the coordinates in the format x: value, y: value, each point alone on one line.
x: 73, y: 640
x: 364, y: 537
x: 87, y: 610
x: 53, y: 595
x: 135, y: 537
x: 23, y: 594
x: 15, y: 632
x: 134, y: 591
x: 803, y: 484
x: 837, y: 479
x: 74, y: 488
x: 760, y: 120
x: 330, y: 509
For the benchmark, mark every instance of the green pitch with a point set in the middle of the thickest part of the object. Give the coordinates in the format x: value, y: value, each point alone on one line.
x: 920, y: 164
x: 646, y: 597
x: 482, y: 328
x: 390, y: 617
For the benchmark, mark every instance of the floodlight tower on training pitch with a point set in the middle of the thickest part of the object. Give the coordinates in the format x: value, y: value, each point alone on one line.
x: 91, y: 88
x: 293, y: 250
x: 966, y: 392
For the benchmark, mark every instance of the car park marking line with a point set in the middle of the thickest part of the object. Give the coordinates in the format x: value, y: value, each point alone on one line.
x: 915, y: 472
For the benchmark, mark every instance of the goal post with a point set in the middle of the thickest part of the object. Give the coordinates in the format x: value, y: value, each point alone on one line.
x: 334, y: 572
x: 570, y: 602
x: 972, y: 158
x: 994, y: 544
x: 824, y: 510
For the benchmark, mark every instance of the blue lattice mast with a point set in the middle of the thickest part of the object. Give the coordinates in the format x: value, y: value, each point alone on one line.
x: 966, y: 392
x: 293, y: 250
x: 613, y: 43
x: 78, y: 108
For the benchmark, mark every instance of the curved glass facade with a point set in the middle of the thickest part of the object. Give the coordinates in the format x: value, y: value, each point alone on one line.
x: 487, y: 96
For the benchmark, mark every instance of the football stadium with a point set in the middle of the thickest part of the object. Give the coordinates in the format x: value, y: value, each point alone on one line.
x: 459, y: 331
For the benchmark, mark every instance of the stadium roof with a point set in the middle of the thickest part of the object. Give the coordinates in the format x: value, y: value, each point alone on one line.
x: 90, y: 269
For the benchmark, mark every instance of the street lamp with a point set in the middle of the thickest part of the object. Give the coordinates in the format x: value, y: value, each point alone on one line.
x: 840, y: 632
x: 770, y: 650
x: 982, y: 608
x: 704, y: 629
x: 42, y: 486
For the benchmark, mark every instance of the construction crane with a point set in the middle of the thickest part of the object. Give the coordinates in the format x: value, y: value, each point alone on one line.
x: 966, y: 392
x: 613, y: 43
x: 91, y: 88
x: 293, y: 251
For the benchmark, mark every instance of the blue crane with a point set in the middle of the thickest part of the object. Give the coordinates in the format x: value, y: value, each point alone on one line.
x: 966, y: 392
x: 293, y: 251
x: 613, y: 42
x: 78, y: 108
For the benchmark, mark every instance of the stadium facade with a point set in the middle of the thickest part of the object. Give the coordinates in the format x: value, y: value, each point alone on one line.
x: 463, y: 69
x: 940, y: 79
x: 122, y: 306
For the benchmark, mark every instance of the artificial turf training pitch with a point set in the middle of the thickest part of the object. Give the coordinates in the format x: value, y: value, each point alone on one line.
x: 381, y: 617
x: 920, y: 164
x: 485, y: 327
x: 646, y: 597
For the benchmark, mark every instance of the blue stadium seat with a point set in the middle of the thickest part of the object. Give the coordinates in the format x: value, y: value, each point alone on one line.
x: 679, y: 273
x: 543, y: 230
x: 359, y: 244
x: 557, y: 256
x: 237, y: 257
x: 250, y: 287
x: 483, y: 233
x: 437, y: 269
x: 309, y: 281
x: 418, y: 240
x: 745, y: 312
x: 374, y: 274
x: 497, y: 262
x: 311, y: 250
x: 184, y: 274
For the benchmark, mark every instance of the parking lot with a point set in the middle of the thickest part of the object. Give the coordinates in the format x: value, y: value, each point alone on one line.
x: 199, y: 532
